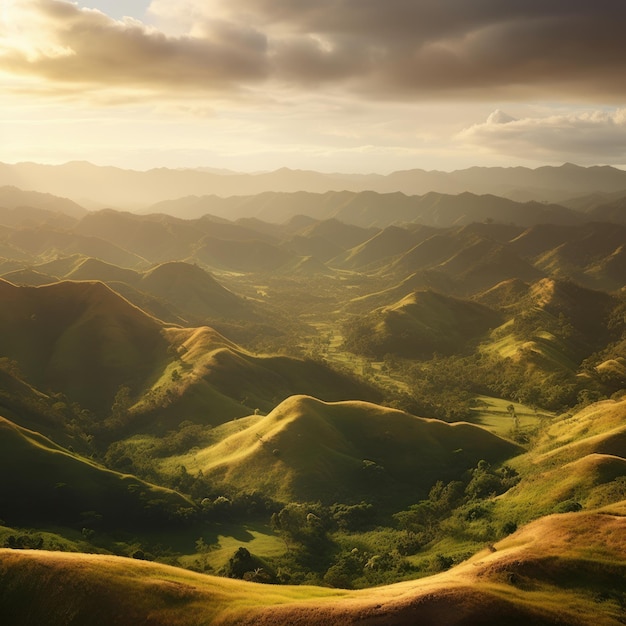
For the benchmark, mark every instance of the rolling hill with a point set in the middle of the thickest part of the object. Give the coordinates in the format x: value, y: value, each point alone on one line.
x: 193, y: 292
x: 50, y: 484
x: 578, y: 462
x: 308, y: 450
x: 80, y: 338
x: 422, y: 323
x: 86, y: 341
x: 565, y: 569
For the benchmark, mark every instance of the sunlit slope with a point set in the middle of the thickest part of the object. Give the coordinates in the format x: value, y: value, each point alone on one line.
x: 579, y: 461
x: 505, y: 295
x: 86, y: 341
x: 483, y: 264
x: 310, y: 450
x: 212, y: 380
x: 564, y: 570
x: 79, y: 338
x: 45, y: 483
x: 384, y: 246
x: 555, y: 323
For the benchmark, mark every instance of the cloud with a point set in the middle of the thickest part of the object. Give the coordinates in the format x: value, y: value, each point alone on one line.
x: 398, y: 49
x: 588, y: 136
x: 57, y: 41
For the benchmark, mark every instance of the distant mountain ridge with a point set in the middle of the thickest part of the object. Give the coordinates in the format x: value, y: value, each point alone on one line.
x: 97, y: 187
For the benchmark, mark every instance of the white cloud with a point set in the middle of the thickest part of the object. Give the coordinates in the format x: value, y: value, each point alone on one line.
x: 583, y: 137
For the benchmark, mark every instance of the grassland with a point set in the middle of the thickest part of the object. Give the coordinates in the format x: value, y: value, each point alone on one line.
x: 539, y: 575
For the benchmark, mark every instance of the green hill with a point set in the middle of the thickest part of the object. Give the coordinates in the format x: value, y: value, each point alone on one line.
x: 217, y: 381
x: 384, y: 246
x: 429, y: 253
x: 193, y: 292
x: 421, y: 324
x: 308, y: 450
x: 505, y: 295
x: 484, y: 264
x: 579, y: 461
x: 49, y: 484
x: 80, y: 338
x: 589, y: 254
x: 564, y: 570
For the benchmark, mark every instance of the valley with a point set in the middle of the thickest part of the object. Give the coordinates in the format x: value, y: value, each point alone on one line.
x: 383, y: 407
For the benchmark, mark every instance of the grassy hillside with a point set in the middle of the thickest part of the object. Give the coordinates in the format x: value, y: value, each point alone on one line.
x: 80, y: 338
x: 193, y: 292
x: 216, y: 381
x: 384, y: 246
x: 579, y: 461
x: 421, y: 324
x: 307, y: 450
x: 50, y: 484
x: 565, y: 569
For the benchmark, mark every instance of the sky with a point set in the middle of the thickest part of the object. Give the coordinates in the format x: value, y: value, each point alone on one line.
x: 331, y: 85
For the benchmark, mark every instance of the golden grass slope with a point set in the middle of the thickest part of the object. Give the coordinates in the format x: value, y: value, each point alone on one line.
x: 562, y: 570
x: 308, y: 450
x: 579, y: 461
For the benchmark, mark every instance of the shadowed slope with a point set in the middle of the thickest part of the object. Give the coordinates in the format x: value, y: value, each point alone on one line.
x: 50, y: 484
x: 95, y: 269
x: 28, y: 277
x: 80, y: 338
x: 422, y: 323
x: 192, y: 291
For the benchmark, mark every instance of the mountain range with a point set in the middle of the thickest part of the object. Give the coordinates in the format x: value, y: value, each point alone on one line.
x: 99, y: 187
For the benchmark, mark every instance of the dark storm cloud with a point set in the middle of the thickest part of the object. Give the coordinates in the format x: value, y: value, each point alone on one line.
x: 392, y: 49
